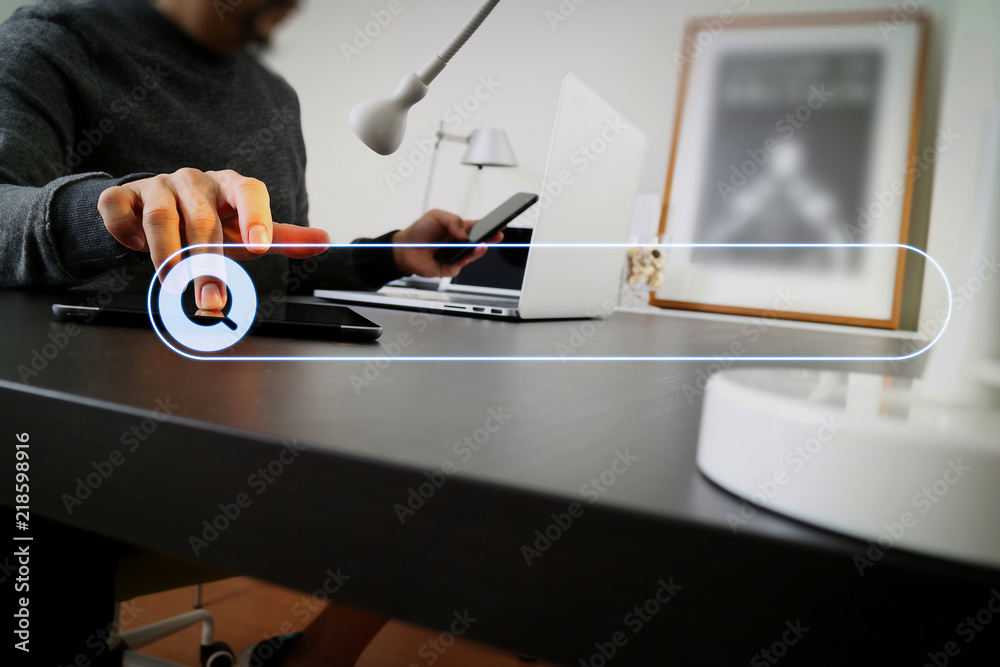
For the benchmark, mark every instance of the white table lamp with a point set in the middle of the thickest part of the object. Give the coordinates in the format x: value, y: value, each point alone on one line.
x: 487, y: 148
x: 381, y: 122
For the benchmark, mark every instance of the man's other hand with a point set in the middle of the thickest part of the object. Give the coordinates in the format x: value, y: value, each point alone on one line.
x: 162, y: 214
x: 435, y: 227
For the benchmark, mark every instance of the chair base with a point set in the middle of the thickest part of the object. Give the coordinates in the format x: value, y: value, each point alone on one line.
x: 213, y: 653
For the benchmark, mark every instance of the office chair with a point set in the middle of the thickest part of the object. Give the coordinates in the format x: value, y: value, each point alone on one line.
x: 142, y: 573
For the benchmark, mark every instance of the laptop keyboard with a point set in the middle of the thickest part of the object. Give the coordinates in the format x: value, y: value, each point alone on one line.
x: 445, y: 297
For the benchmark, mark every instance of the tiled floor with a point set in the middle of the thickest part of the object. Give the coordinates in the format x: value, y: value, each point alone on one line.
x: 247, y: 610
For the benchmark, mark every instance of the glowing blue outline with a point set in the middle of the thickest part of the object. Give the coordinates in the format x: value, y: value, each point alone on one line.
x: 732, y: 358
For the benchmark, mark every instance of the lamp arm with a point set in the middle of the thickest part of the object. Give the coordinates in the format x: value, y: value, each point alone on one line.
x: 438, y: 62
x: 457, y: 138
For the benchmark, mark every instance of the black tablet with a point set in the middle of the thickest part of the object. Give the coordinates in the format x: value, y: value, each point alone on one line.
x: 294, y: 317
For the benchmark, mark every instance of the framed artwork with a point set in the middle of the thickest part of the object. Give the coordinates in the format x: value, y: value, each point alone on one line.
x: 794, y: 130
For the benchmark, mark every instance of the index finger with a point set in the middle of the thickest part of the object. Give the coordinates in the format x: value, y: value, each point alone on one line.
x: 250, y: 199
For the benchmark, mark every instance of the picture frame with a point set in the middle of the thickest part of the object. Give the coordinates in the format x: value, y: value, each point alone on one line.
x: 794, y: 129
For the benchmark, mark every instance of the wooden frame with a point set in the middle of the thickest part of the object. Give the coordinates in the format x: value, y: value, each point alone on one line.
x: 697, y: 26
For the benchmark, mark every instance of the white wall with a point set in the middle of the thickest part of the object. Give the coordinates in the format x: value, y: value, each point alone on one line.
x: 7, y: 7
x: 516, y: 48
x: 623, y: 49
x: 972, y: 86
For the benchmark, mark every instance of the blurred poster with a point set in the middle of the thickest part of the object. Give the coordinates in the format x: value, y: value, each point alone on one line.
x: 799, y: 178
x: 794, y: 131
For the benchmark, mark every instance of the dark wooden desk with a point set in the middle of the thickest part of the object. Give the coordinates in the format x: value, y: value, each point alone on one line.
x: 323, y: 456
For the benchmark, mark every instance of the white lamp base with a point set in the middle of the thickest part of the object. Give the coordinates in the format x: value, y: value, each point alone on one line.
x: 859, y: 454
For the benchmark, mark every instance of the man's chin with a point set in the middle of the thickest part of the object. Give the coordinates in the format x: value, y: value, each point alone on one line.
x: 259, y: 39
x: 258, y: 44
x: 262, y: 24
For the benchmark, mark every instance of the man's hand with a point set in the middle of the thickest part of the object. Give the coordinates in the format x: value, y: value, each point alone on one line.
x: 435, y: 227
x: 162, y: 214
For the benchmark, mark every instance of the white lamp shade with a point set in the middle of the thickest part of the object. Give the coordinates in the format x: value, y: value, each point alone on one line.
x: 381, y: 122
x: 489, y: 148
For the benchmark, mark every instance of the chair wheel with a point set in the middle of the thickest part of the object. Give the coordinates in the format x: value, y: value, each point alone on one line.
x: 217, y: 655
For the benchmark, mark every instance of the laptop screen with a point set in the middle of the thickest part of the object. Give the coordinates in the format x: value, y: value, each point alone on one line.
x: 499, y: 268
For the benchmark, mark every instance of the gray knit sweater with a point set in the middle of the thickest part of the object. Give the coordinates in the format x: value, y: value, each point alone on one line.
x: 101, y: 93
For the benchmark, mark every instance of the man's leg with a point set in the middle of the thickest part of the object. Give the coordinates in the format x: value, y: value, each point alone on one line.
x: 337, y: 638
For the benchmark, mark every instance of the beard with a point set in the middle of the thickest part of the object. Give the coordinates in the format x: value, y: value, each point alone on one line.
x: 258, y: 38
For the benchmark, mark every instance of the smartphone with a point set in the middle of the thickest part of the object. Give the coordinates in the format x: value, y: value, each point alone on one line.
x: 298, y: 317
x: 488, y: 226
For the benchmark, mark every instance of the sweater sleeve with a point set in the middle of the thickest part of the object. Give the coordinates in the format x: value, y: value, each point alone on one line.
x: 50, y: 230
x: 354, y: 268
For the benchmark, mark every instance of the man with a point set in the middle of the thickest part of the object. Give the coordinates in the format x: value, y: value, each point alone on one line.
x: 143, y: 126
x: 132, y: 128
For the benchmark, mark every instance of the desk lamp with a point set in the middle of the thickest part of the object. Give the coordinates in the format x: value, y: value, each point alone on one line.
x: 902, y: 463
x: 487, y: 148
x: 381, y: 122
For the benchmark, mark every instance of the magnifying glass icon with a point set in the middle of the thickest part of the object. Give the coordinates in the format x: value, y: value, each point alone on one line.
x: 210, y: 317
x: 207, y: 331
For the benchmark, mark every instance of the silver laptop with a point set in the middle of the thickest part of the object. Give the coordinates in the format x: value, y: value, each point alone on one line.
x: 587, y: 195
